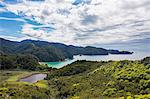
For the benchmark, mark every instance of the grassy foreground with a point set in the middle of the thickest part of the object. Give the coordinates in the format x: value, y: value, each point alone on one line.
x: 82, y: 80
x: 11, y: 88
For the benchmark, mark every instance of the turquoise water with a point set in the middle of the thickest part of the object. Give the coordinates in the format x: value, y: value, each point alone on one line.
x: 135, y: 56
x: 58, y: 64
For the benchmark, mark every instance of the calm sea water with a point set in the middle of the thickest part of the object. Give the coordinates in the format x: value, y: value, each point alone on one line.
x: 135, y: 56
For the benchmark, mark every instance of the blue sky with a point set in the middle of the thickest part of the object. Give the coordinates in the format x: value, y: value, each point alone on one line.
x: 107, y: 23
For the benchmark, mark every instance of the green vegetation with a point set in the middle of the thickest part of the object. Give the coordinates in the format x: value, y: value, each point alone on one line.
x: 42, y: 50
x: 6, y: 75
x: 86, y: 80
x: 83, y: 80
x: 21, y: 62
x: 10, y: 88
x: 48, y: 51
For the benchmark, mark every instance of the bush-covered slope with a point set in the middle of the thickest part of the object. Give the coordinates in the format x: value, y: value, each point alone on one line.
x: 88, y: 80
x: 83, y: 80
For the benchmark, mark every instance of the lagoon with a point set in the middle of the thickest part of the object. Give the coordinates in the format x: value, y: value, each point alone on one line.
x: 116, y: 57
x: 33, y: 78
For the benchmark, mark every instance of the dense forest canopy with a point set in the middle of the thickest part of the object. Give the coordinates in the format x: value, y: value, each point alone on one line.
x: 48, y: 51
x: 21, y: 62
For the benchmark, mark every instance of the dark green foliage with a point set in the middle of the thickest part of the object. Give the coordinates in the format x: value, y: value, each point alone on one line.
x: 119, y: 52
x: 7, y: 62
x: 89, y: 50
x: 26, y: 62
x: 43, y: 50
x: 146, y: 61
x: 46, y: 51
x: 74, y: 68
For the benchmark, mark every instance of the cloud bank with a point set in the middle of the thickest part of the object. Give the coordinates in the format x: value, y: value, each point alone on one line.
x: 83, y: 22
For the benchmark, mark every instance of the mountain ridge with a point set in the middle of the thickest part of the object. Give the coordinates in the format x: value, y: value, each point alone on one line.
x: 51, y: 51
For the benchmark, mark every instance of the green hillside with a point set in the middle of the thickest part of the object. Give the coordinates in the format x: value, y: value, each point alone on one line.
x: 98, y: 80
x: 83, y: 80
x: 49, y: 51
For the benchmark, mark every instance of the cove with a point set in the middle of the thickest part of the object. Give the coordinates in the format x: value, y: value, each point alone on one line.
x: 115, y: 57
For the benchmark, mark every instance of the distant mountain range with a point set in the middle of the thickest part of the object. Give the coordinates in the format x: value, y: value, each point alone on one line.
x: 50, y: 51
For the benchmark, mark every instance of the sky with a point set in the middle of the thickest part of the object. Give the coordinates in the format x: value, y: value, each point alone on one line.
x: 104, y: 23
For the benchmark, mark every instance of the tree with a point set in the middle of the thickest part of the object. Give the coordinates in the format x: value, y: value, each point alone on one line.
x: 29, y: 62
x: 7, y: 62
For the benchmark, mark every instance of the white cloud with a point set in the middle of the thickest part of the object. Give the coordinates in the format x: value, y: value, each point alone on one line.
x: 2, y: 10
x: 13, y: 38
x: 12, y: 19
x: 101, y: 21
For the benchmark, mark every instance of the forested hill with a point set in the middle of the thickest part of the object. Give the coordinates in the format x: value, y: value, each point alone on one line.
x: 102, y: 80
x: 49, y: 51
